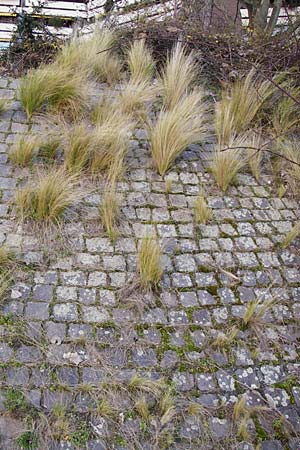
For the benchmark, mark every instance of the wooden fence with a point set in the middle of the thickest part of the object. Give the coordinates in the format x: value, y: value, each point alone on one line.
x: 125, y: 11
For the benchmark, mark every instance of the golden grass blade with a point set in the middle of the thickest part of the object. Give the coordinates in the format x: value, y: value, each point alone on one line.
x: 140, y: 62
x: 176, y: 129
x: 177, y: 76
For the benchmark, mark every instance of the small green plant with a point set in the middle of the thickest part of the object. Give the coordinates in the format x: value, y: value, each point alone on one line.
x: 80, y: 437
x: 48, y: 199
x: 149, y: 263
x: 28, y: 441
x: 22, y: 153
x: 291, y: 235
x: 15, y: 400
x: 202, y: 211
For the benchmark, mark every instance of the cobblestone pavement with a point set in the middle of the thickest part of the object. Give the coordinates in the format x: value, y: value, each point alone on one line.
x: 83, y: 329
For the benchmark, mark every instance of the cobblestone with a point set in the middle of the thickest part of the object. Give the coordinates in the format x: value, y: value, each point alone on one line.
x: 72, y: 325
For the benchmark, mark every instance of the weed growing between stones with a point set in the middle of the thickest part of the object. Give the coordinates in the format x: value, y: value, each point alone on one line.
x: 109, y: 212
x: 48, y: 199
x: 177, y: 128
x: 149, y: 263
x: 24, y: 150
x: 291, y: 236
x: 55, y: 88
x: 227, y: 162
x: 202, y: 211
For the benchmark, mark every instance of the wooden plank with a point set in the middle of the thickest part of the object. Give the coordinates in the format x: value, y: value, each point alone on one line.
x: 59, y: 5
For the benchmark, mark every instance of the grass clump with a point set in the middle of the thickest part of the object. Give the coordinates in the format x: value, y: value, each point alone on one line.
x: 23, y: 151
x: 134, y: 96
x: 203, y: 212
x: 48, y: 199
x: 177, y: 76
x: 290, y: 167
x: 92, y: 57
x: 228, y: 161
x: 176, y: 129
x: 49, y: 146
x: 254, y: 154
x: 78, y: 148
x: 285, y: 117
x: 140, y: 61
x: 7, y: 260
x: 291, y: 235
x: 254, y: 314
x: 149, y: 265
x: 54, y: 87
x: 3, y: 105
x: 240, y: 104
x: 109, y: 212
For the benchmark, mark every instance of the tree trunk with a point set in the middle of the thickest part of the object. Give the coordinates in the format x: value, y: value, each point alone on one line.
x: 274, y: 16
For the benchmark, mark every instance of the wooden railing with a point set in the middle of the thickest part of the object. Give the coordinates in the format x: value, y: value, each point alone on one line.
x: 124, y: 12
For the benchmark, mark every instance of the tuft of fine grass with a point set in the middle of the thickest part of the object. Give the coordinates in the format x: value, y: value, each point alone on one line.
x: 109, y: 212
x: 176, y: 129
x: 285, y: 117
x: 254, y: 154
x: 155, y: 388
x: 23, y: 151
x: 48, y: 199
x: 290, y: 168
x: 3, y: 105
x: 48, y: 147
x: 6, y: 257
x: 78, y: 148
x: 240, y: 105
x: 135, y: 95
x: 142, y: 408
x: 291, y: 235
x: 228, y: 161
x: 92, y: 57
x: 203, y: 212
x: 177, y: 77
x: 255, y: 311
x: 6, y: 265
x: 55, y: 87
x: 140, y: 61
x: 149, y: 264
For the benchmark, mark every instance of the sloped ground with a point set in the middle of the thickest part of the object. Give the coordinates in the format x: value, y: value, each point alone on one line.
x: 73, y: 330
